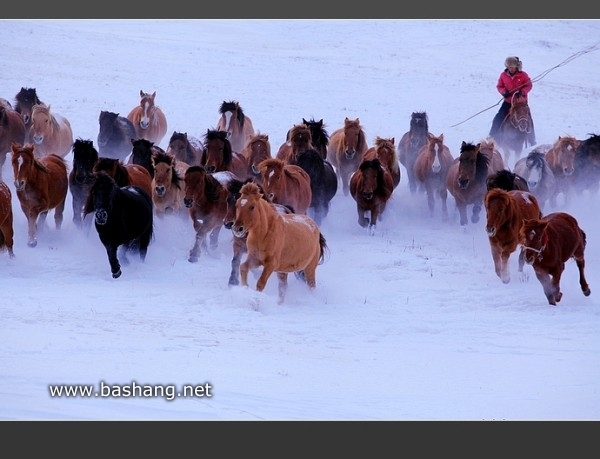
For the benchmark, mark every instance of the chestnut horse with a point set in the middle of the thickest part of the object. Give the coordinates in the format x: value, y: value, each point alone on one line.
x: 385, y: 150
x: 167, y: 184
x: 347, y: 147
x: 411, y: 144
x: 548, y: 243
x: 115, y: 135
x: 148, y: 119
x: 125, y: 174
x: 515, y: 130
x: 286, y: 184
x: 505, y: 212
x: 50, y: 132
x: 430, y: 169
x: 299, y: 139
x: 237, y: 125
x: 42, y: 185
x: 371, y: 186
x: 536, y: 171
x: 81, y: 178
x: 186, y: 148
x: 6, y: 220
x: 25, y: 99
x: 256, y: 150
x: 280, y: 243
x: 561, y: 159
x: 12, y: 130
x: 218, y: 155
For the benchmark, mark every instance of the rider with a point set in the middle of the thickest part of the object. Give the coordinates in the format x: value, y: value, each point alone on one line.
x: 512, y: 82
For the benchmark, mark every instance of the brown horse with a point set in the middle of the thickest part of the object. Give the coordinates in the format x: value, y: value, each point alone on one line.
x: 186, y: 148
x: 347, y: 147
x: 411, y: 144
x: 218, y: 155
x: 466, y: 180
x: 505, y: 212
x: 280, y: 243
x: 488, y: 148
x: 515, y: 130
x: 236, y: 124
x: 50, y: 132
x: 430, y: 169
x: 12, y: 130
x: 371, y: 186
x: 385, y: 150
x: 286, y: 184
x: 561, y: 159
x: 587, y: 165
x: 6, y: 220
x: 148, y: 119
x: 167, y: 184
x: 25, y: 99
x: 547, y: 244
x: 125, y: 174
x: 256, y: 150
x: 42, y: 185
x: 299, y: 139
x: 205, y: 197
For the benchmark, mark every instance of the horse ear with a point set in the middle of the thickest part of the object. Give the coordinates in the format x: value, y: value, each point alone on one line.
x: 463, y: 144
x: 141, y: 93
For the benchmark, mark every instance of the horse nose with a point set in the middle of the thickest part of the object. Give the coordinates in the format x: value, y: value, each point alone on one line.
x: 210, y: 169
x: 187, y: 202
x: 26, y: 119
x: 463, y: 183
x: 568, y: 170
x: 490, y: 230
x: 228, y: 224
x: 38, y: 138
x: 368, y: 195
x: 101, y: 217
x: 350, y: 153
x: 160, y: 191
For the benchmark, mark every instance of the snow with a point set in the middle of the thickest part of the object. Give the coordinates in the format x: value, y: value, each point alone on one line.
x: 410, y: 323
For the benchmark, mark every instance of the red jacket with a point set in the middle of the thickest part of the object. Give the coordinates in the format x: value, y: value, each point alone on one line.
x: 520, y: 81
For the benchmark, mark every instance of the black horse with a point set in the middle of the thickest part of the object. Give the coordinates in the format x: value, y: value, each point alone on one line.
x: 323, y: 182
x: 506, y: 180
x: 81, y: 178
x: 25, y: 99
x: 123, y: 218
x: 587, y: 165
x: 141, y: 153
x: 114, y: 136
x: 319, y: 135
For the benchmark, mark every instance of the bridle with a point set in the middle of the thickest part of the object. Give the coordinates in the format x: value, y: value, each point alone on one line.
x: 539, y: 251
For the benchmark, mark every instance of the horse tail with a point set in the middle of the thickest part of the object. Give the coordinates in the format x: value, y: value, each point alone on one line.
x: 583, y: 236
x: 324, y: 249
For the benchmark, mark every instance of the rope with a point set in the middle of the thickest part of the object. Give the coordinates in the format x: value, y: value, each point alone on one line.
x: 587, y: 50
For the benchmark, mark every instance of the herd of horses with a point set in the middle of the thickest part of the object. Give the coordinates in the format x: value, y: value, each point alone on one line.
x: 276, y: 204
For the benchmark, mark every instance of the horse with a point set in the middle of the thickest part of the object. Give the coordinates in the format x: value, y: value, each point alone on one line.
x: 184, y: 147
x: 50, y: 132
x: 488, y: 148
x: 411, y: 144
x: 256, y: 150
x: 115, y: 135
x: 299, y: 139
x: 218, y: 154
x: 548, y: 243
x: 25, y: 99
x: 125, y: 174
x: 236, y: 124
x: 141, y: 153
x: 506, y: 180
x: 539, y: 176
x: 148, y: 119
x: 323, y: 183
x: 385, y: 150
x: 515, y: 129
x: 466, y: 180
x: 12, y: 130
x: 430, y: 168
x: 371, y: 186
x: 167, y: 184
x: 505, y: 212
x: 81, y: 178
x: 205, y: 197
x: 587, y: 165
x: 347, y: 146
x: 320, y: 136
x: 6, y: 220
x: 561, y: 159
x: 41, y: 185
x: 123, y: 219
x: 280, y: 243
x: 286, y: 184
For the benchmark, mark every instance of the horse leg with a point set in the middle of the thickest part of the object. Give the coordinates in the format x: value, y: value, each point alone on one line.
x: 59, y: 215
x: 195, y: 251
x: 585, y: 288
x: 505, y: 271
x: 264, y: 277
x: 115, y: 267
x: 444, y: 198
x: 247, y: 265
x: 544, y: 277
x: 362, y: 220
x: 556, y: 275
x: 32, y: 217
x: 462, y: 211
x: 282, y: 287
x: 214, y: 237
x: 496, y: 256
x: 476, y: 211
x: 239, y: 247
x: 430, y: 201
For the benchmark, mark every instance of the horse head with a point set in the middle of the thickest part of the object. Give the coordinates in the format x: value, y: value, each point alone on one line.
x: 353, y: 136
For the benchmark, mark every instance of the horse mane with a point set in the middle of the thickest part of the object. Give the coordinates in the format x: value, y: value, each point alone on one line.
x: 318, y: 131
x: 212, y: 186
x: 419, y: 121
x: 233, y: 106
x: 3, y: 116
x: 81, y: 144
x: 536, y: 159
x: 214, y: 134
x: 26, y: 96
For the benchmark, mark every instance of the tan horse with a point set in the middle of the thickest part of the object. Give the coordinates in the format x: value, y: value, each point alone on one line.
x: 148, y: 119
x: 561, y: 159
x: 6, y: 220
x: 286, y: 184
x: 167, y: 185
x: 385, y: 150
x: 50, y: 132
x: 236, y: 124
x: 41, y: 185
x: 280, y: 243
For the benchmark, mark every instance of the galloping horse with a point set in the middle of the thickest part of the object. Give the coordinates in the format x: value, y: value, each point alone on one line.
x: 561, y: 159
x: 505, y: 212
x: 515, y: 129
x: 320, y: 136
x: 218, y: 155
x: 186, y: 148
x: 587, y: 165
x: 286, y: 184
x: 81, y: 178
x: 42, y: 185
x: 236, y: 124
x: 347, y: 147
x: 25, y: 99
x: 141, y: 153
x: 167, y: 184
x: 115, y: 135
x: 488, y: 148
x: 123, y: 219
x: 148, y: 119
x: 125, y: 174
x: 430, y: 169
x: 6, y: 220
x: 280, y: 243
x: 547, y: 244
x: 299, y: 139
x: 385, y: 150
x: 256, y: 150
x: 411, y: 143
x: 506, y: 180
x: 12, y: 130
x: 371, y: 186
x: 50, y: 132
x: 539, y: 176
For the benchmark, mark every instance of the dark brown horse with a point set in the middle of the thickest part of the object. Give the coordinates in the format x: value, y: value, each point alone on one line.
x: 256, y: 150
x: 148, y: 119
x: 25, y: 99
x: 506, y: 180
x: 587, y: 165
x: 299, y: 139
x: 218, y: 155
x: 125, y: 174
x: 320, y: 136
x: 385, y: 150
x: 236, y: 124
x: 515, y: 130
x: 6, y: 220
x: 115, y: 135
x: 12, y: 130
x: 186, y: 148
x: 81, y: 178
x: 141, y: 154
x: 547, y: 244
x: 410, y: 145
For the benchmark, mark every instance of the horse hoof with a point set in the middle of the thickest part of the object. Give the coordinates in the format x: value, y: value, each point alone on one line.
x: 193, y: 259
x: 32, y: 243
x: 117, y: 274
x: 587, y: 292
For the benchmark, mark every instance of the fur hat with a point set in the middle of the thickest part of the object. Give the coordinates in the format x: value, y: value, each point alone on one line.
x: 513, y: 61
